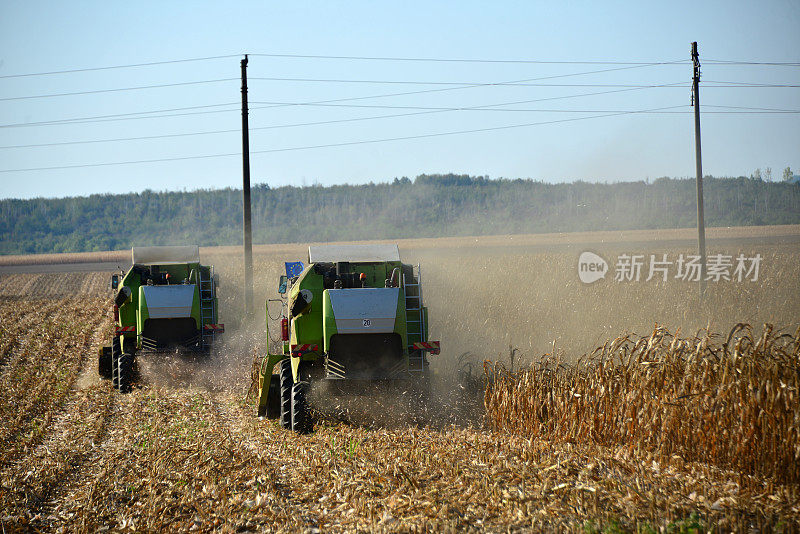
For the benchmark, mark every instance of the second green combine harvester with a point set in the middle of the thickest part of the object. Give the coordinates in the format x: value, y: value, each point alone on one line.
x: 167, y: 301
x: 353, y: 316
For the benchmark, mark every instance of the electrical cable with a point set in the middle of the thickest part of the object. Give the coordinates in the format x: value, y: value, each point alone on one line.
x: 103, y: 118
x: 118, y: 89
x: 467, y: 60
x: 146, y: 137
x: 471, y: 86
x: 744, y: 110
x: 331, y: 145
x: 117, y: 116
x: 440, y: 110
x: 167, y: 115
x: 539, y: 62
x: 746, y: 107
x: 483, y: 84
x: 767, y: 63
x: 89, y: 69
x: 256, y: 106
x: 466, y: 84
x: 747, y: 84
x: 406, y: 93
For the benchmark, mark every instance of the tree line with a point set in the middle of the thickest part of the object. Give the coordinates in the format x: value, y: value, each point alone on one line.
x: 431, y: 205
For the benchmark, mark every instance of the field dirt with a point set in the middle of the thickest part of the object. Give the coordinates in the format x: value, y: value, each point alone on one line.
x: 184, y: 451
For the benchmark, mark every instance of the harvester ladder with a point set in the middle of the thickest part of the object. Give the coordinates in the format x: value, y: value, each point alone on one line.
x: 415, y: 319
x: 208, y: 311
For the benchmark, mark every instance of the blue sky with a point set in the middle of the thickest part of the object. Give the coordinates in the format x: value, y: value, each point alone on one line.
x: 38, y: 37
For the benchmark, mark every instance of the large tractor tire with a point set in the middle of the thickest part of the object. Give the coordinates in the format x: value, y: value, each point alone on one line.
x: 104, y: 362
x: 116, y: 352
x: 301, y: 415
x: 286, y: 382
x: 125, y: 372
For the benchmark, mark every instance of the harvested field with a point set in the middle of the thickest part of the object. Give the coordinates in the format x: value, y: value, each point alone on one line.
x: 58, y: 285
x: 184, y: 450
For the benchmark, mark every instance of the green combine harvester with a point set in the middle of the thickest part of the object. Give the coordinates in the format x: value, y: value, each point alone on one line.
x: 167, y: 301
x: 352, y: 317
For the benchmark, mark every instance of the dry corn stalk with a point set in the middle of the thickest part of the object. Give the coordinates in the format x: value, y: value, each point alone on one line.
x: 729, y: 402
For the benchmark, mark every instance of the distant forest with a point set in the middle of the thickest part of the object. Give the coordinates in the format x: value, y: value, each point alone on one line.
x: 428, y: 206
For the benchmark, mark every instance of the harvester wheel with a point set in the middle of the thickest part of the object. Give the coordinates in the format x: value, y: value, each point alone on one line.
x: 301, y: 415
x: 286, y: 382
x: 104, y: 362
x: 116, y: 351
x: 125, y: 372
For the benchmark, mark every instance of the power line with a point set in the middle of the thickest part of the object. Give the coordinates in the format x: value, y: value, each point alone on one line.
x: 111, y: 163
x: 89, y: 69
x: 749, y: 108
x: 337, y: 102
x: 505, y: 84
x: 350, y: 143
x: 386, y: 95
x: 423, y: 91
x: 768, y: 63
x: 457, y: 60
x: 528, y: 61
x: 424, y: 111
x: 746, y: 84
x: 489, y: 107
x: 480, y: 84
x: 103, y: 118
x: 118, y: 89
x: 462, y: 60
x: 230, y: 79
x: 124, y: 116
x: 118, y: 116
x: 467, y: 60
x: 165, y: 114
x: 742, y: 110
x: 90, y: 141
x: 468, y: 84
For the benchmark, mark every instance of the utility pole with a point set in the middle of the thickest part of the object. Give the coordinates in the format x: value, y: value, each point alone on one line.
x: 248, y: 236
x: 701, y: 227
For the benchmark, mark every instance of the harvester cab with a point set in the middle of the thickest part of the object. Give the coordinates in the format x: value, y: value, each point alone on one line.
x: 166, y: 301
x: 353, y: 315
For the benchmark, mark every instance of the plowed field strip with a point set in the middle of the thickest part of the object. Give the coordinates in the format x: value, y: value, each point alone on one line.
x: 45, y: 365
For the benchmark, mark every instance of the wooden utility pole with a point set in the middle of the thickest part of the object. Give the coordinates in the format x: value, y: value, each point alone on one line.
x: 248, y: 236
x: 701, y: 227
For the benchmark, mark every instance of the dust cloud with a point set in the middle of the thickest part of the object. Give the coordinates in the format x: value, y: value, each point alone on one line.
x: 513, y: 299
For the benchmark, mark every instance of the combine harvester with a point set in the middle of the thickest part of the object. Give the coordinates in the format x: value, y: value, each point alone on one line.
x: 167, y: 301
x: 351, y: 318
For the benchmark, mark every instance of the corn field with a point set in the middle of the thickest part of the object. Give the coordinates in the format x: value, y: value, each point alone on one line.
x: 661, y: 433
x: 730, y: 401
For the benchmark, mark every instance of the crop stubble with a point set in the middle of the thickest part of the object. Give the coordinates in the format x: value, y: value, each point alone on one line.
x: 78, y: 457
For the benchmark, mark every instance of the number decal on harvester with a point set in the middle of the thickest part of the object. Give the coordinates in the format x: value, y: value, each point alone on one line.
x: 367, y: 323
